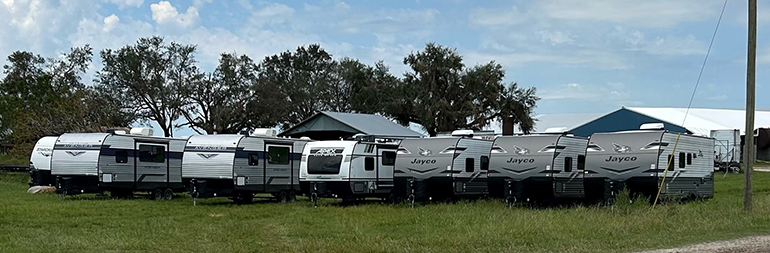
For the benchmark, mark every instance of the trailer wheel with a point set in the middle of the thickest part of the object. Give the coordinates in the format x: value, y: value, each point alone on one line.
x: 157, y: 194
x: 168, y: 194
x: 292, y: 196
x: 282, y: 197
x: 247, y: 198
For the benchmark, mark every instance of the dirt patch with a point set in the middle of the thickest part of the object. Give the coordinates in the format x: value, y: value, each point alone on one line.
x: 748, y: 244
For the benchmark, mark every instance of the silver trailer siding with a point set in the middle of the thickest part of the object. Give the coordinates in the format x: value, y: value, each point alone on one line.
x: 441, y: 167
x: 638, y: 160
x: 129, y: 163
x: 537, y: 166
x: 238, y: 166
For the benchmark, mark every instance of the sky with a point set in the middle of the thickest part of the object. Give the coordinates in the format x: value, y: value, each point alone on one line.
x: 582, y: 56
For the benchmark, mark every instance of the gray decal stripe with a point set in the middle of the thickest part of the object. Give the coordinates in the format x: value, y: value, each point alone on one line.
x: 620, y: 170
x: 518, y: 171
x: 422, y: 171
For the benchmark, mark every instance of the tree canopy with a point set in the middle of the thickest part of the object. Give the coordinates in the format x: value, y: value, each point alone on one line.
x: 155, y: 81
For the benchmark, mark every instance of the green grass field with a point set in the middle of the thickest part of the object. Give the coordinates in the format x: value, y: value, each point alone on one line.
x: 43, y: 223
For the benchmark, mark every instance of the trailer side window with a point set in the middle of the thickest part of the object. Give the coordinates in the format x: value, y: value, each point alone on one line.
x: 568, y: 164
x: 581, y: 162
x: 681, y: 160
x: 277, y: 155
x: 121, y: 156
x: 369, y: 163
x: 689, y: 158
x: 469, y: 165
x: 484, y: 162
x: 670, y: 162
x: 388, y: 158
x: 152, y: 154
x: 253, y: 159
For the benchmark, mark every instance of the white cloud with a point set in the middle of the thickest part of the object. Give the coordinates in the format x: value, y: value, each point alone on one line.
x: 110, y: 22
x: 272, y: 14
x: 647, y: 13
x: 163, y: 13
x: 127, y: 3
x: 600, y: 59
x: 608, y: 92
x: 556, y: 37
x: 497, y: 17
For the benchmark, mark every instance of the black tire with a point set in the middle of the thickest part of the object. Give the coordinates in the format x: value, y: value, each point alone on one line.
x: 157, y: 194
x: 247, y: 198
x: 282, y: 197
x: 168, y: 194
x: 292, y: 196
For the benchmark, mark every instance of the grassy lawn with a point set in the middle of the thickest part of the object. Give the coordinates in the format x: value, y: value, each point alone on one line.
x: 43, y: 223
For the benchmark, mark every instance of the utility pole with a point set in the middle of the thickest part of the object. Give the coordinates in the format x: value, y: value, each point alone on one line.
x: 748, y: 149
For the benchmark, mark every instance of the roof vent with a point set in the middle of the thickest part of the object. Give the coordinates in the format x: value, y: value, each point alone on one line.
x: 462, y: 133
x: 652, y: 126
x: 304, y: 138
x: 264, y: 132
x: 115, y: 131
x: 143, y: 131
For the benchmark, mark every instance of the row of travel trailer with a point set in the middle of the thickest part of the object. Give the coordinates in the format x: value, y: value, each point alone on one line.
x: 515, y: 168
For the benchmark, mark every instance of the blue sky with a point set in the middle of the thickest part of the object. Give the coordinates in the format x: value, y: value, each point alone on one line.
x: 583, y: 56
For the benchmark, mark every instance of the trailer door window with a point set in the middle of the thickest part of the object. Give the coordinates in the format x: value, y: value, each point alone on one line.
x: 369, y: 163
x: 484, y: 162
x: 581, y: 162
x: 277, y: 155
x: 568, y: 164
x: 388, y: 158
x: 253, y: 159
x: 681, y: 160
x: 689, y: 158
x: 121, y: 156
x: 469, y: 165
x: 152, y: 154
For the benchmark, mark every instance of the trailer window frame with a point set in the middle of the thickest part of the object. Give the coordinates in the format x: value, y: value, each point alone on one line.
x: 253, y: 159
x: 689, y: 158
x: 681, y: 160
x: 670, y: 162
x: 121, y: 156
x: 568, y: 164
x: 368, y: 163
x: 470, y: 164
x: 484, y: 162
x: 581, y: 162
x: 152, y: 153
x: 276, y: 157
x: 388, y: 158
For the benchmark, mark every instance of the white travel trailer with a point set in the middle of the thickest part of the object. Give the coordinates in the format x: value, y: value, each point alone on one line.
x: 40, y: 162
x: 349, y: 169
x: 537, y: 167
x: 637, y: 161
x: 727, y: 149
x: 441, y: 167
x: 119, y: 163
x: 239, y: 166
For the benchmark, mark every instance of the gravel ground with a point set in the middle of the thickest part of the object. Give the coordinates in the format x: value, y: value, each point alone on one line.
x: 747, y: 244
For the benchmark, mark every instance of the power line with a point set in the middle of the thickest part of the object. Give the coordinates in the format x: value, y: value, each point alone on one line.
x: 703, y: 66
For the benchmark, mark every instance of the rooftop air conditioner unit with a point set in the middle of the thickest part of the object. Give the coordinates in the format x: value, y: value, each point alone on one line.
x: 652, y: 126
x: 143, y: 131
